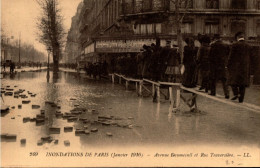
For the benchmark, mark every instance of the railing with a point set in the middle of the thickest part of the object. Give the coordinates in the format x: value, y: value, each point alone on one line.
x: 177, y: 92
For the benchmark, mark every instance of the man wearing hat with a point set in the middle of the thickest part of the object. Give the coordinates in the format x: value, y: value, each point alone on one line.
x: 218, y: 57
x: 238, y: 66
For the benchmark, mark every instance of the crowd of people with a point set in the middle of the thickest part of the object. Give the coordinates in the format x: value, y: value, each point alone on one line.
x: 11, y: 65
x: 69, y: 65
x: 96, y: 69
x: 213, y: 61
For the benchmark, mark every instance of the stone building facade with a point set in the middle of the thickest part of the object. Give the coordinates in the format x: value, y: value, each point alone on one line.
x: 116, y: 27
x: 119, y: 26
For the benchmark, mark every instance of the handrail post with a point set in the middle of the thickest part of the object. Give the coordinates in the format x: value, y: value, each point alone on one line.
x: 140, y: 88
x: 113, y: 78
x: 158, y: 93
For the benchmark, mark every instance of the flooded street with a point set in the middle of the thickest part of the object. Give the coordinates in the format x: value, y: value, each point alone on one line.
x: 107, y: 115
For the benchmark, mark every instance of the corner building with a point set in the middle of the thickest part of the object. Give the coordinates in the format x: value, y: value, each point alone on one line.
x: 110, y: 28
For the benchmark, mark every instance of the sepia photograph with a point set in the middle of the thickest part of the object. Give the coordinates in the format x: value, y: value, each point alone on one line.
x: 130, y: 83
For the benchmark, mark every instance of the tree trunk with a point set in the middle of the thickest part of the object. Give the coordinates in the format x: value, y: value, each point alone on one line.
x: 56, y: 54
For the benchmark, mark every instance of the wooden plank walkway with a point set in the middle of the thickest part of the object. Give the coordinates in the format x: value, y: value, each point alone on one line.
x: 176, y: 91
x: 222, y: 99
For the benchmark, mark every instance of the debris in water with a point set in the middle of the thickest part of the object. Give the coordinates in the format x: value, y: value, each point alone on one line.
x: 94, y: 130
x: 26, y: 101
x: 67, y: 143
x: 54, y: 130
x: 26, y: 119
x: 56, y: 141
x: 79, y: 131
x: 23, y: 141
x: 35, y: 106
x: 68, y: 129
x: 40, y: 143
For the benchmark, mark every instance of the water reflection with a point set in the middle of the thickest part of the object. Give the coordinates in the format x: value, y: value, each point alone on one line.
x: 139, y: 107
x: 177, y: 125
x: 157, y: 116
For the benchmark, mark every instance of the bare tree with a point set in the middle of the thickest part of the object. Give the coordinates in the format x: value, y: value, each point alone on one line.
x: 181, y: 9
x: 51, y: 31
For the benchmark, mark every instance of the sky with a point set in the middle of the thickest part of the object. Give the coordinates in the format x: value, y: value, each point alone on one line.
x: 20, y: 16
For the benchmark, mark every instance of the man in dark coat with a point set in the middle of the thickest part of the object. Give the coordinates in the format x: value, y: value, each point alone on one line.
x: 238, y: 66
x: 203, y: 62
x: 189, y: 56
x: 218, y: 58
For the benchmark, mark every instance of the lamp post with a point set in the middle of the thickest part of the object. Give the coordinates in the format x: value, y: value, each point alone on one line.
x: 48, y: 65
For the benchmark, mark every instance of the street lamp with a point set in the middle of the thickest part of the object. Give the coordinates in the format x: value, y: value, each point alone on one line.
x: 48, y: 66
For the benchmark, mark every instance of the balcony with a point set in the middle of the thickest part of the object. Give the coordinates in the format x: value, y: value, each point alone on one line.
x: 144, y: 6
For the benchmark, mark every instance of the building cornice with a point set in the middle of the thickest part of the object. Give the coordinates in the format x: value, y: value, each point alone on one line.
x: 202, y: 12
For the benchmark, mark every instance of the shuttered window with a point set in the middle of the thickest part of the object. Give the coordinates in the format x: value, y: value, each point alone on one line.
x: 187, y: 4
x: 212, y: 27
x: 258, y: 28
x: 238, y: 4
x: 147, y: 29
x: 212, y: 4
x: 186, y: 28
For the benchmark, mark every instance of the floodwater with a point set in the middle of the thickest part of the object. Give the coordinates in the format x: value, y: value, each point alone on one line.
x: 134, y: 121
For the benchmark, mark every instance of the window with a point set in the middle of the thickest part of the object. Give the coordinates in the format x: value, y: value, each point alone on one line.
x: 147, y: 5
x: 138, y: 6
x: 186, y: 28
x: 212, y: 27
x: 158, y: 28
x: 136, y: 29
x: 238, y: 4
x: 157, y: 4
x: 127, y: 6
x: 258, y: 5
x: 143, y: 29
x: 258, y: 29
x: 238, y: 26
x: 149, y: 29
x: 212, y: 4
x: 187, y: 4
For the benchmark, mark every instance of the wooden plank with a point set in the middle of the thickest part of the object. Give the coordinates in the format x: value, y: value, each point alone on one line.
x: 149, y: 81
x: 171, y: 96
x: 136, y: 86
x: 120, y: 80
x: 113, y: 78
x: 126, y: 84
x: 158, y: 93
x: 170, y: 84
x: 140, y: 88
x: 117, y: 75
x: 147, y: 89
x: 153, y: 90
x: 178, y: 96
x: 132, y: 80
x: 246, y: 106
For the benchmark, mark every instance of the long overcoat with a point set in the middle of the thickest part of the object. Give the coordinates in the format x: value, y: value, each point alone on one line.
x: 218, y: 59
x: 238, y: 64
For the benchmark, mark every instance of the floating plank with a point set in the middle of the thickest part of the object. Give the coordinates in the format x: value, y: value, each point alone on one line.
x: 4, y: 108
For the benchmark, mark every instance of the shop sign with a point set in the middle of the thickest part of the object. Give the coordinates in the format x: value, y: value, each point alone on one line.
x: 122, y: 46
